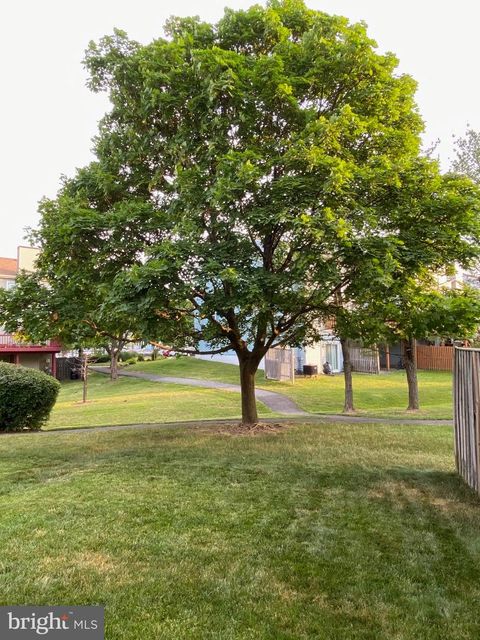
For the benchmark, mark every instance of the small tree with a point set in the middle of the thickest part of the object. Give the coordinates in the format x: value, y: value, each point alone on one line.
x: 354, y: 324
x: 417, y: 310
x: 431, y: 313
x: 77, y: 316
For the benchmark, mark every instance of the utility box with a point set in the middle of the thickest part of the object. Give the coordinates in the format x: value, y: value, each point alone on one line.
x: 310, y: 370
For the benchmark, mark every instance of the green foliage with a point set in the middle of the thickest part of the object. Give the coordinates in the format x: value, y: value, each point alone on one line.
x: 39, y: 313
x: 419, y: 309
x: 127, y: 355
x: 26, y: 398
x: 101, y: 359
x: 467, y: 159
x: 267, y: 162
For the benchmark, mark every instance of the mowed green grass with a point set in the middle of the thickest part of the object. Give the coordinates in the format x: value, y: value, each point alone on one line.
x: 133, y: 401
x: 383, y: 395
x: 327, y: 531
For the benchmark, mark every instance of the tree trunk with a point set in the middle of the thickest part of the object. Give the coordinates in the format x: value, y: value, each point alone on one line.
x: 85, y: 376
x: 348, y: 406
x: 114, y: 364
x: 248, y: 370
x: 409, y: 348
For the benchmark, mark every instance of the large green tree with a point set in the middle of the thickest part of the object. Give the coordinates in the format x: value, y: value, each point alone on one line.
x: 247, y: 173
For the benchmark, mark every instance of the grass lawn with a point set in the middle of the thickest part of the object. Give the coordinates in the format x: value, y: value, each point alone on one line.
x: 383, y: 395
x: 132, y: 401
x: 332, y: 532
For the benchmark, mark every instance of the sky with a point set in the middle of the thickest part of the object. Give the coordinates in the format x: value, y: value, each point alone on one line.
x: 48, y: 116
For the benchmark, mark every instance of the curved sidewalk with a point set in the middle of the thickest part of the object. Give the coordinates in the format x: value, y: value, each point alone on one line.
x: 195, y: 424
x: 274, y: 401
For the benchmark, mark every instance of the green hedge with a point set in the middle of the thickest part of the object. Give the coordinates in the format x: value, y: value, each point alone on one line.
x: 26, y: 397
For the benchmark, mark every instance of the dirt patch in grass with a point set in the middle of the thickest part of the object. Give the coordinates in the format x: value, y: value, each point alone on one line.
x: 239, y: 429
x: 84, y: 561
x: 403, y: 494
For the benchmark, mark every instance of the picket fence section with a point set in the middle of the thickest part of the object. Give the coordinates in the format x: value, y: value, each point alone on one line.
x: 466, y: 392
x: 365, y: 360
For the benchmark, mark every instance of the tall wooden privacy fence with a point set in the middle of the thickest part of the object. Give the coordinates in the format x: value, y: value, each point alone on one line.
x: 65, y: 366
x: 434, y: 358
x: 466, y: 387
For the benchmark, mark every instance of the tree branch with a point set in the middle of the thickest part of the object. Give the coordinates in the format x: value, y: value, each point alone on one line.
x: 195, y: 352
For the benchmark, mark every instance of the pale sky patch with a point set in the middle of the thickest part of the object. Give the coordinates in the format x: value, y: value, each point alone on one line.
x: 48, y: 117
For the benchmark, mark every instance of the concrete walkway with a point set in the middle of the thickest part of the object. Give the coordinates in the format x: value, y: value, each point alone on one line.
x: 277, y: 402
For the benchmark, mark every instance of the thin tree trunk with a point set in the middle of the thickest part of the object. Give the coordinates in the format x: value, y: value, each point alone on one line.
x: 409, y: 348
x: 248, y: 370
x: 348, y: 406
x: 114, y: 364
x: 85, y: 377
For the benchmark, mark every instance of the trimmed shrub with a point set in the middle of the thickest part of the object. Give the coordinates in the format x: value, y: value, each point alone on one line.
x: 130, y: 361
x: 140, y: 357
x: 26, y: 397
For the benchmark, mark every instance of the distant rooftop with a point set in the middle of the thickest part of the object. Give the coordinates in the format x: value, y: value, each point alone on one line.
x: 25, y: 261
x: 8, y: 266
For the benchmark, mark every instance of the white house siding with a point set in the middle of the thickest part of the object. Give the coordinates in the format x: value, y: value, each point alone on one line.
x: 319, y: 353
x: 34, y: 360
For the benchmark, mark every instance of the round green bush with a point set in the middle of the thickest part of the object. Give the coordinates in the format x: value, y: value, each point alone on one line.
x: 26, y: 397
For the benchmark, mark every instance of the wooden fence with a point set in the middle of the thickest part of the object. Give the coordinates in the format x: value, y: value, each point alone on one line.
x: 466, y: 393
x: 365, y: 360
x: 434, y: 358
x: 65, y: 367
x: 280, y: 364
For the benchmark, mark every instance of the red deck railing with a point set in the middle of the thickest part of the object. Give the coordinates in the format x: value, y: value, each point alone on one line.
x: 8, y: 341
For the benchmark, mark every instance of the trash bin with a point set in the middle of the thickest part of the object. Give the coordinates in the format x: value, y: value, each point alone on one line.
x: 310, y: 370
